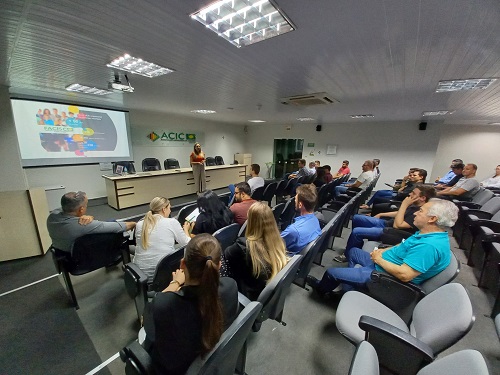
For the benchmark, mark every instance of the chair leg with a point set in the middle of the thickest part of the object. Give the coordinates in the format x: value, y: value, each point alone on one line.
x: 71, y: 291
x: 242, y: 358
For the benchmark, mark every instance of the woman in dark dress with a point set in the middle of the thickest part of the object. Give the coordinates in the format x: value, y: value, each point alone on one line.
x: 256, y: 259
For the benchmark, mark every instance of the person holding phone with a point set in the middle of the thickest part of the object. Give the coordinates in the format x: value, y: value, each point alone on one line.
x: 197, y: 161
x: 214, y: 214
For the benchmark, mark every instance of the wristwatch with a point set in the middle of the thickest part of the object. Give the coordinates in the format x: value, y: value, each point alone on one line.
x: 175, y: 281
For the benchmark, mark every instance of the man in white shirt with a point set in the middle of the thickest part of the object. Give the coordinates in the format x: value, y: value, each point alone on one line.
x: 363, y: 180
x: 255, y: 181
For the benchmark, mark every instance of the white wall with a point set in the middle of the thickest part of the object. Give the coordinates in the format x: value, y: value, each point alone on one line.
x: 473, y: 144
x: 398, y: 145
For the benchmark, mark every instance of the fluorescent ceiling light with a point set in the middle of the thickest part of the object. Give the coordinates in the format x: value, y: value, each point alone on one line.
x: 256, y: 121
x: 464, y: 84
x: 305, y: 119
x: 138, y: 66
x: 244, y: 22
x: 493, y: 123
x: 76, y: 87
x: 435, y: 113
x: 203, y: 111
x: 362, y: 116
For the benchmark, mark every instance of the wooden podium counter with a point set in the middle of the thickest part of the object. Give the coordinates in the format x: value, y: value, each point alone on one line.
x: 136, y: 189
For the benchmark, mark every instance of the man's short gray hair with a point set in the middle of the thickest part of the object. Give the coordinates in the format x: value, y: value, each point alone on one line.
x: 445, y: 211
x: 70, y: 202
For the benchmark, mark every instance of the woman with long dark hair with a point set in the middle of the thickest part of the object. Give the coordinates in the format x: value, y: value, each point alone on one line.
x: 188, y: 316
x: 214, y: 214
x: 197, y: 161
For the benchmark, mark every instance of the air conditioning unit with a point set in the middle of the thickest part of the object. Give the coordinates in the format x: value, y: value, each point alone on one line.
x: 309, y: 99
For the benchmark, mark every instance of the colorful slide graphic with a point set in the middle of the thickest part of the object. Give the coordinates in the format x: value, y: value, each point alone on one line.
x: 74, y: 131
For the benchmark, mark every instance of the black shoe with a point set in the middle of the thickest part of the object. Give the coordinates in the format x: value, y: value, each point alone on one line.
x: 341, y: 258
x: 314, y: 284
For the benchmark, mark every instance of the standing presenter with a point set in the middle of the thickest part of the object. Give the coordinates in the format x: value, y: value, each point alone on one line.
x: 197, y: 160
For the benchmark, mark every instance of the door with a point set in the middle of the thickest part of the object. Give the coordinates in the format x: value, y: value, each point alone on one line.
x: 287, y: 153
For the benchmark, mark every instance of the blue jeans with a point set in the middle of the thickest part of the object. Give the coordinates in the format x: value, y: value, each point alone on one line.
x: 380, y: 194
x: 351, y: 277
x: 364, y: 227
x: 339, y: 190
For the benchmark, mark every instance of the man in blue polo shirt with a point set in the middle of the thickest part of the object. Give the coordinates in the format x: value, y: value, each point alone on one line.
x: 417, y: 259
x: 304, y: 228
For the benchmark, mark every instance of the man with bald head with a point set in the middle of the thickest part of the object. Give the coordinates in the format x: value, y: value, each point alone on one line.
x: 363, y: 180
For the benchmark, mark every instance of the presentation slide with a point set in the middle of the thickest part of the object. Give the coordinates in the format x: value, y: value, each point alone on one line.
x: 59, y: 134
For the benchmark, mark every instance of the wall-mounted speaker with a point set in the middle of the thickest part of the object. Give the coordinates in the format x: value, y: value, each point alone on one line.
x: 318, y: 128
x: 422, y: 126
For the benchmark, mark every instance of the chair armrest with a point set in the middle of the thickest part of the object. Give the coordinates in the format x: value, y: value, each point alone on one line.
x: 492, y: 237
x: 398, y: 351
x: 474, y: 215
x: 493, y: 225
x: 466, y: 204
x: 400, y: 297
x: 243, y: 300
x: 137, y: 359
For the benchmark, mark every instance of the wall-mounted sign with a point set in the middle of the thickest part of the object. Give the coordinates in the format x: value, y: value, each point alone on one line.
x: 165, y: 138
x: 310, y: 145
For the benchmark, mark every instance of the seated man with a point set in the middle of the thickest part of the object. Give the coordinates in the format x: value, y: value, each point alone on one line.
x: 450, y: 175
x: 328, y: 173
x: 303, y: 170
x: 312, y: 167
x: 371, y: 228
x: 363, y: 180
x: 255, y: 181
x: 466, y: 187
x: 417, y: 259
x: 242, y: 202
x: 304, y: 228
x: 70, y: 223
x: 457, y: 171
x: 343, y: 170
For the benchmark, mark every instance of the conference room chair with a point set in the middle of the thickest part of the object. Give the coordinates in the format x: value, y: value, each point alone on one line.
x: 479, y: 230
x: 309, y: 254
x: 210, y: 161
x: 287, y: 215
x: 219, y: 160
x: 226, y: 358
x: 280, y: 190
x: 89, y: 253
x: 464, y: 362
x: 243, y: 229
x: 258, y: 194
x: 185, y: 211
x: 151, y: 164
x: 467, y: 214
x: 227, y: 235
x: 330, y: 228
x: 269, y: 192
x: 128, y: 166
x: 277, y: 211
x: 225, y: 199
x: 274, y: 294
x: 290, y: 187
x: 489, y: 277
x: 171, y: 163
x: 323, y: 196
x: 438, y: 321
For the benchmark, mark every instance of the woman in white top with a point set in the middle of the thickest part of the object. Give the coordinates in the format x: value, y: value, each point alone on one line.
x: 156, y: 235
x: 494, y: 181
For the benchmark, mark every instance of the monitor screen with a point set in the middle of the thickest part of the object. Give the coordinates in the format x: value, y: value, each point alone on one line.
x: 60, y: 134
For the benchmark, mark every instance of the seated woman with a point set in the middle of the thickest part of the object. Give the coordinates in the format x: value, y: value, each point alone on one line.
x: 493, y: 182
x: 320, y: 179
x: 214, y: 214
x: 256, y: 259
x: 156, y: 235
x: 187, y: 319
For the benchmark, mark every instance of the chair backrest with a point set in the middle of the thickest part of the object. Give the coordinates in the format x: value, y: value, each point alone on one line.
x: 151, y: 164
x: 323, y: 194
x: 277, y: 211
x: 290, y: 186
x: 443, y: 317
x: 163, y: 272
x: 258, y: 194
x: 210, y: 161
x: 482, y: 196
x: 280, y: 189
x: 446, y: 276
x: 329, y: 231
x: 464, y: 362
x: 492, y: 206
x: 365, y: 360
x: 309, y: 253
x: 227, y: 235
x: 93, y: 251
x: 219, y: 160
x: 273, y: 295
x: 126, y: 164
x: 269, y: 192
x: 243, y: 228
x: 223, y: 358
x: 288, y: 213
x: 225, y: 199
x: 185, y: 211
x: 136, y: 284
x: 171, y: 163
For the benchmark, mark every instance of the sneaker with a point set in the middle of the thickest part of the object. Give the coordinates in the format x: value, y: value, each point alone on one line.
x: 341, y: 259
x: 314, y: 283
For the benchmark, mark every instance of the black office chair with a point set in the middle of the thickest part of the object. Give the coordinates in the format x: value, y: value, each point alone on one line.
x: 185, y: 211
x: 258, y: 194
x: 89, y: 253
x: 227, y: 235
x: 277, y: 211
x: 151, y: 164
x: 219, y: 160
x: 210, y: 161
x: 171, y: 164
x: 269, y: 192
x: 128, y: 165
x: 309, y: 254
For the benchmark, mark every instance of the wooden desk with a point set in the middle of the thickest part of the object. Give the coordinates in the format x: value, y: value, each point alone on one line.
x: 136, y: 189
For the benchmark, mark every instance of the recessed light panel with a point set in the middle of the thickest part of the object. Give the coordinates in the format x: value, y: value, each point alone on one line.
x: 76, y: 87
x: 138, y: 66
x: 305, y: 119
x: 256, y: 121
x: 464, y: 84
x: 203, y: 111
x: 362, y: 116
x: 435, y: 113
x: 244, y: 22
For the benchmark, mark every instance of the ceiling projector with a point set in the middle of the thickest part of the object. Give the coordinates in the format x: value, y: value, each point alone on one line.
x: 121, y: 87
